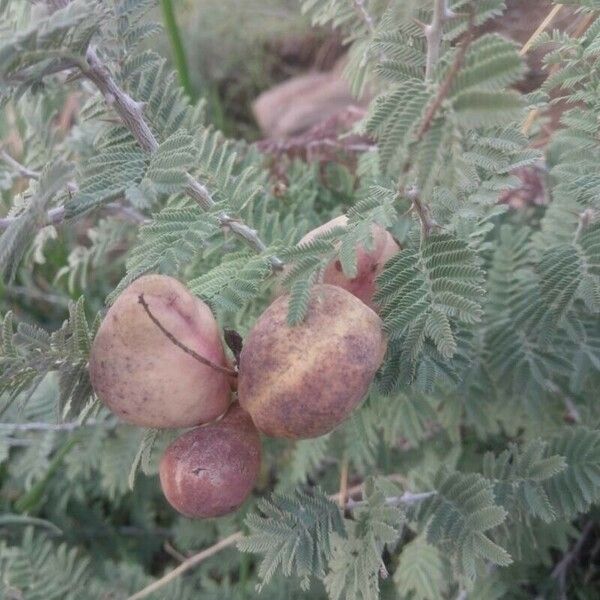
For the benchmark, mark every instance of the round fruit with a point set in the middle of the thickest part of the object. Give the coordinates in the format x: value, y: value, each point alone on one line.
x: 141, y: 375
x: 369, y: 263
x: 210, y: 470
x: 302, y: 381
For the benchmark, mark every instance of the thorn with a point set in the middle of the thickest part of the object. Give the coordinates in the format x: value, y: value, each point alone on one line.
x: 449, y: 14
x: 419, y: 23
x: 587, y: 216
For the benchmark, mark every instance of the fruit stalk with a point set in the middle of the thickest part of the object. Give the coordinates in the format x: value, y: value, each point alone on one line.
x: 186, y: 349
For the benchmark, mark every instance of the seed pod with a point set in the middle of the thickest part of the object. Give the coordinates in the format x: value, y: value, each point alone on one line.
x: 302, y: 381
x: 141, y: 375
x: 210, y: 470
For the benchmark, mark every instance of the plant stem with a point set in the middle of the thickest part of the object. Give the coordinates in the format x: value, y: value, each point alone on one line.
x: 71, y: 426
x: 53, y: 217
x: 440, y: 15
x: 186, y: 565
x: 57, y: 215
x: 364, y: 13
x: 131, y: 113
x: 343, y: 493
x: 433, y: 33
x: 186, y: 349
x: 534, y: 113
x: 196, y: 559
x: 549, y: 18
x: 446, y: 84
x: 22, y: 170
x: 177, y: 48
x: 560, y: 570
x: 407, y: 499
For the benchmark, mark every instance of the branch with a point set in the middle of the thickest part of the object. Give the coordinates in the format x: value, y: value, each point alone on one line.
x: 434, y: 33
x: 407, y: 499
x: 534, y: 36
x: 583, y: 25
x: 57, y: 215
x: 196, y: 559
x: 560, y: 570
x: 186, y: 565
x: 343, y: 493
x: 22, y: 170
x: 585, y: 219
x: 446, y: 84
x: 71, y: 426
x: 53, y: 217
x: 440, y: 14
x: 428, y: 223
x: 131, y: 113
x: 36, y: 294
x: 364, y: 13
x: 186, y: 349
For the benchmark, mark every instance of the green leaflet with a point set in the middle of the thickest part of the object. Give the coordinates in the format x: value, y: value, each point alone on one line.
x: 294, y: 534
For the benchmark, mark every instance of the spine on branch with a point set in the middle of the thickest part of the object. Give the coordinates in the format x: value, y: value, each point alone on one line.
x: 131, y: 114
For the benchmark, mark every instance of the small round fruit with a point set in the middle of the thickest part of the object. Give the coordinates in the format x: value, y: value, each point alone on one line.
x: 146, y: 379
x: 369, y: 263
x: 302, y: 381
x: 210, y: 470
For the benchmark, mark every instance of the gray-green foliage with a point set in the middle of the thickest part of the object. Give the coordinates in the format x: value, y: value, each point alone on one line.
x: 294, y: 534
x: 485, y: 408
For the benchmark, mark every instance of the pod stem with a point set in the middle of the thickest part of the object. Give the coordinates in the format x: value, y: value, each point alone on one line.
x: 186, y: 349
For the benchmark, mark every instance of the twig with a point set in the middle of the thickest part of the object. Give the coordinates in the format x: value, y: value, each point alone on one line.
x: 196, y: 559
x: 127, y: 213
x: 446, y: 84
x: 53, y: 217
x: 186, y: 565
x: 71, y: 426
x: 36, y: 294
x: 57, y: 215
x: 22, y: 170
x: 131, y: 113
x: 186, y: 349
x: 585, y: 22
x: 406, y: 499
x: 440, y: 14
x: 343, y: 493
x: 533, y: 114
x: 585, y: 219
x: 573, y: 415
x: 428, y: 223
x: 172, y: 551
x: 364, y: 13
x: 560, y: 570
x: 572, y: 412
x: 434, y: 33
x: 534, y: 36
